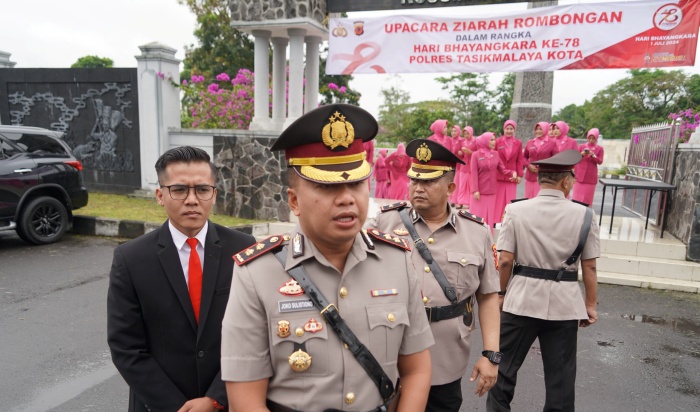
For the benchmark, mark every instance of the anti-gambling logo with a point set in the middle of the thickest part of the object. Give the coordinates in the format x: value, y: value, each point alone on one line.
x: 668, y: 17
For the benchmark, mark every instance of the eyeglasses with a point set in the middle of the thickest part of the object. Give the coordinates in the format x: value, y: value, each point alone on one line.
x: 180, y: 192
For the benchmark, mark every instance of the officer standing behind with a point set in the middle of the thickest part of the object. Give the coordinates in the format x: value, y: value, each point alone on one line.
x: 280, y: 346
x: 540, y: 241
x: 457, y: 263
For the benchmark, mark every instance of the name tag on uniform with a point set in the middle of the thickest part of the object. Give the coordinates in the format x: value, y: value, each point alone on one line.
x: 377, y: 293
x: 295, y: 305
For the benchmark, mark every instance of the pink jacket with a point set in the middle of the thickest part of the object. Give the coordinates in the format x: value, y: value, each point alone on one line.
x: 510, y: 150
x: 564, y: 142
x: 537, y: 149
x: 486, y: 166
x: 586, y: 170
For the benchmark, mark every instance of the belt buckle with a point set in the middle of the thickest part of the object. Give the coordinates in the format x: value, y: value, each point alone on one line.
x: 327, y: 308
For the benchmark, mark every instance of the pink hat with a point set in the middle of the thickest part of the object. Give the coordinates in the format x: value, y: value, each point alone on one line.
x: 509, y: 123
x: 483, y: 141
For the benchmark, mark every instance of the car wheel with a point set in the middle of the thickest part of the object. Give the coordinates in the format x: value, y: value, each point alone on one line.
x: 43, y: 221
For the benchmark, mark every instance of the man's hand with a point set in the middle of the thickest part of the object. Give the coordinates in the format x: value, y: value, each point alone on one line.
x: 592, y: 317
x: 198, y: 405
x: 487, y: 373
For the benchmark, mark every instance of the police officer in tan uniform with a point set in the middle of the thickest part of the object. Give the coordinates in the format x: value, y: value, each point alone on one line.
x: 540, y: 242
x: 280, y: 349
x: 459, y: 246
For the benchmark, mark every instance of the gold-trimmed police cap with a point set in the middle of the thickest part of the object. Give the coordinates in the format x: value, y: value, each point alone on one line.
x: 560, y: 162
x: 430, y: 160
x: 325, y: 144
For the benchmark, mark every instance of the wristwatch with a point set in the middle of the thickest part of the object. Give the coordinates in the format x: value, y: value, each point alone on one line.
x: 492, y: 356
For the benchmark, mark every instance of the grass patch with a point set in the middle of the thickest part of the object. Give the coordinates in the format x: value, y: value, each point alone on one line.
x: 145, y: 210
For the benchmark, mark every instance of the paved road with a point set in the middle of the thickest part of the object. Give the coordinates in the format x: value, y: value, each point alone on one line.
x: 643, y: 355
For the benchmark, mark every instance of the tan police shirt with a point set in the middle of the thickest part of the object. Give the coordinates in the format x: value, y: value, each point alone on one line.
x: 463, y: 250
x: 267, y: 319
x: 543, y: 232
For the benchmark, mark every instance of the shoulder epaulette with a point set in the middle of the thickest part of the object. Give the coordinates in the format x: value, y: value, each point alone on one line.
x: 580, y: 202
x: 518, y: 200
x: 393, y: 206
x: 474, y: 218
x: 258, y: 249
x: 387, y: 238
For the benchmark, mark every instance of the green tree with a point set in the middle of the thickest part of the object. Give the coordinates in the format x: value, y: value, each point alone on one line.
x: 575, y: 117
x: 393, y: 112
x: 504, y: 98
x: 221, y: 49
x: 93, y: 62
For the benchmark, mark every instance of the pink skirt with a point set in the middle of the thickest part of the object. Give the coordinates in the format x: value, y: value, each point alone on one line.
x: 485, y: 208
x: 380, y: 189
x: 531, y: 189
x: 584, y: 192
x: 505, y: 192
x: 464, y: 189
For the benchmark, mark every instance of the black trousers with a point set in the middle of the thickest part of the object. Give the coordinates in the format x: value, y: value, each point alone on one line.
x: 558, y: 343
x: 445, y: 398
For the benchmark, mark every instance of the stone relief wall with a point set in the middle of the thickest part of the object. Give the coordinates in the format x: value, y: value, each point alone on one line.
x: 683, y: 219
x: 257, y: 10
x: 252, y: 179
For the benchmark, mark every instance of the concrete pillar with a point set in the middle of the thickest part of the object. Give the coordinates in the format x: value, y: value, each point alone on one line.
x: 311, y: 76
x: 159, y: 105
x: 261, y: 118
x: 5, y: 60
x: 532, y: 97
x: 279, y: 77
x: 296, y: 74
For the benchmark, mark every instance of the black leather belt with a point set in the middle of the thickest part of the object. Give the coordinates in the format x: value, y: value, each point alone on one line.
x: 548, y: 274
x: 438, y: 313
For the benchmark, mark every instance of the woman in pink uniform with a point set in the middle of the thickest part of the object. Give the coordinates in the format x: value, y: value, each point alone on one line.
x: 586, y: 170
x: 398, y: 164
x: 464, y: 150
x: 381, y: 176
x: 485, y: 166
x: 439, y: 128
x: 562, y: 141
x: 510, y: 150
x: 538, y: 148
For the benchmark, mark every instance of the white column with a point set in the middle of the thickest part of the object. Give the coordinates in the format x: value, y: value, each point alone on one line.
x: 159, y: 106
x: 296, y: 74
x: 261, y: 117
x: 5, y: 60
x: 279, y: 76
x: 311, y: 76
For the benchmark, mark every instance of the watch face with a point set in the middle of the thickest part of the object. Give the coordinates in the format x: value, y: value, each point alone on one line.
x: 496, y: 357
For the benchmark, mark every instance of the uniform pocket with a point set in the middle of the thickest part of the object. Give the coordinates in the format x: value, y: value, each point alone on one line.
x: 467, y: 268
x: 313, y: 343
x: 386, y: 323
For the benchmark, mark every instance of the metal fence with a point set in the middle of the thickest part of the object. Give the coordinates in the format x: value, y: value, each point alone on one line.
x: 650, y: 157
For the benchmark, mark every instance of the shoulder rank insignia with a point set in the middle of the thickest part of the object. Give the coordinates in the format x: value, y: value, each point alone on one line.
x: 475, y: 218
x: 388, y: 238
x: 580, y: 203
x: 518, y: 200
x: 394, y: 206
x: 258, y: 249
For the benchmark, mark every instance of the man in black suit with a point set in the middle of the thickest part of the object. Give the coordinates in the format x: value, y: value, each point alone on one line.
x: 164, y: 308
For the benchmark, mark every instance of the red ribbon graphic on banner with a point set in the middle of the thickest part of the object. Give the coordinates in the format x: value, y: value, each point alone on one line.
x: 357, y: 59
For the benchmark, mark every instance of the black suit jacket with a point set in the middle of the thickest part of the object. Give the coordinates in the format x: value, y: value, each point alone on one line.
x: 164, y: 356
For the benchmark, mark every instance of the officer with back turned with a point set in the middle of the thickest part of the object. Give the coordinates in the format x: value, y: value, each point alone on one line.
x: 541, y: 242
x: 328, y: 317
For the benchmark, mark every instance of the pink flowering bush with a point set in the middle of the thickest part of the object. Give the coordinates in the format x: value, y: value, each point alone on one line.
x: 689, y: 120
x: 223, y: 103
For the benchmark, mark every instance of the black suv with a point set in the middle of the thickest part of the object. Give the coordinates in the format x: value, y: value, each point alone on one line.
x: 41, y: 183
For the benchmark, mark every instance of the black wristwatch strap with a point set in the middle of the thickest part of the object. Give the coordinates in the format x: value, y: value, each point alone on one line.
x: 425, y: 254
x: 330, y: 313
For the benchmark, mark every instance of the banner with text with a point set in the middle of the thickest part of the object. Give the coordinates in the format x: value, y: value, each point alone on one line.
x: 641, y: 34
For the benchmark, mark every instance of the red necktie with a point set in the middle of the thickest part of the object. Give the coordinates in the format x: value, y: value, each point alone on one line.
x: 194, y: 274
